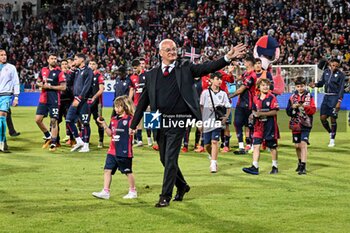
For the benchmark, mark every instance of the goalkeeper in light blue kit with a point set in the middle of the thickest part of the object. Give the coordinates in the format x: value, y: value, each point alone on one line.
x: 9, y: 86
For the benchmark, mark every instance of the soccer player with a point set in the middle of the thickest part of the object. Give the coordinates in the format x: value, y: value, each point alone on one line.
x: 143, y: 64
x: 96, y: 98
x: 301, y: 107
x: 52, y: 81
x: 246, y: 94
x: 198, y: 138
x: 66, y: 95
x: 265, y: 107
x: 138, y: 83
x: 10, y: 126
x: 9, y: 86
x: 149, y: 131
x: 333, y: 80
x: 122, y: 86
x: 80, y: 107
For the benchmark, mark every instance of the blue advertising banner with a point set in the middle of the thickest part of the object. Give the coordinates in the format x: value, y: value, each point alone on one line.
x: 32, y: 98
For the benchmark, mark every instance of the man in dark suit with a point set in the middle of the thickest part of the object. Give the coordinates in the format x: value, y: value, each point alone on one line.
x: 170, y: 89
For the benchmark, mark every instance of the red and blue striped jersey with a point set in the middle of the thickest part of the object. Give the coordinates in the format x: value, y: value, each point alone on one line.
x: 53, y: 78
x: 121, y: 140
x: 138, y: 82
x: 266, y: 127
x: 245, y: 100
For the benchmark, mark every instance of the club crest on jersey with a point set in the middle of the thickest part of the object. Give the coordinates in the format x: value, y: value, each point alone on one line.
x: 267, y: 104
x: 125, y: 122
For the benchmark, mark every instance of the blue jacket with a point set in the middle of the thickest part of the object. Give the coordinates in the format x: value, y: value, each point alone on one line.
x: 333, y: 82
x: 82, y: 83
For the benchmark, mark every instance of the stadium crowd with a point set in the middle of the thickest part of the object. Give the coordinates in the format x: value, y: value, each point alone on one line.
x: 115, y: 33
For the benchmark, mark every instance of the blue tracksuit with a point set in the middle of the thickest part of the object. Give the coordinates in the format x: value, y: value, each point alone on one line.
x: 83, y: 83
x: 334, y: 91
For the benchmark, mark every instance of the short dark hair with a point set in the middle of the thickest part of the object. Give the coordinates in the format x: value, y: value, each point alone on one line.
x: 81, y: 55
x: 142, y: 59
x: 64, y: 60
x: 135, y: 62
x: 250, y: 58
x: 215, y: 74
x: 52, y: 54
x: 300, y: 80
x: 257, y: 60
x: 335, y: 60
x: 122, y: 69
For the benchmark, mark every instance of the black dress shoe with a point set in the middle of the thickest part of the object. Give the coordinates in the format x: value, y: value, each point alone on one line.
x: 163, y: 202
x: 181, y: 193
x: 15, y: 134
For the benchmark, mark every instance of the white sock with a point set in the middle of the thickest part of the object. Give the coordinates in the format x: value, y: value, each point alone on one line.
x: 241, y: 145
x: 86, y: 144
x: 331, y: 141
x: 274, y: 163
x: 213, y: 161
x: 149, y: 140
x: 79, y: 140
x: 256, y: 164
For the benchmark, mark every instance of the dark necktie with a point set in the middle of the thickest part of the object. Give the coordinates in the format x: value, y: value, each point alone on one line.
x: 166, y: 71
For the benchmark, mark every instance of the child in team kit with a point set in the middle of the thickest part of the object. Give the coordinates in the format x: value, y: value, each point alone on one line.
x: 265, y: 107
x: 209, y: 101
x: 301, y: 107
x: 120, y: 154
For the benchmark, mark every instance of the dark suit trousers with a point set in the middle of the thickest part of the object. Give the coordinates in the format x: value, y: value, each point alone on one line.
x: 169, y: 141
x: 9, y: 123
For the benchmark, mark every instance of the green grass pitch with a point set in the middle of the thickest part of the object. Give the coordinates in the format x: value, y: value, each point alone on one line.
x: 41, y: 191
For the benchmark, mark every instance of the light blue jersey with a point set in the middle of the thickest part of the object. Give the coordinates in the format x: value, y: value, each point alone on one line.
x: 9, y: 81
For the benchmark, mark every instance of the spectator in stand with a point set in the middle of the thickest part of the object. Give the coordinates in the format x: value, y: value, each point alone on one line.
x: 306, y: 32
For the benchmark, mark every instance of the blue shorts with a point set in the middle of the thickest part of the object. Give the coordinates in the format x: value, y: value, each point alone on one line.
x: 44, y: 109
x: 328, y: 106
x: 64, y: 106
x: 82, y: 113
x: 302, y: 136
x: 242, y: 116
x: 272, y: 143
x: 5, y: 102
x: 212, y: 135
x: 115, y: 163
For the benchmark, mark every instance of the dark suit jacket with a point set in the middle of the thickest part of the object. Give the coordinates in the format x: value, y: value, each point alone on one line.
x: 185, y: 73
